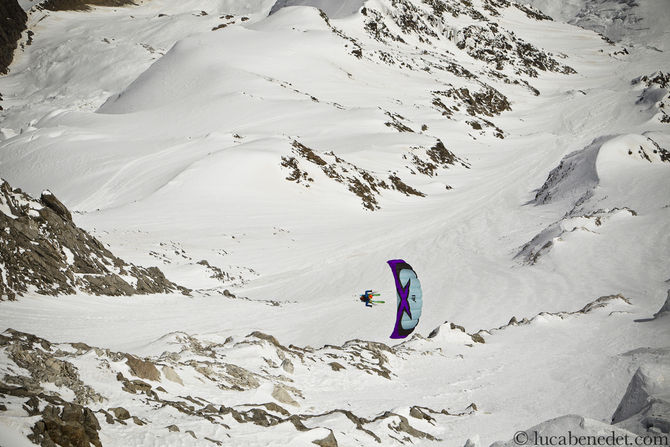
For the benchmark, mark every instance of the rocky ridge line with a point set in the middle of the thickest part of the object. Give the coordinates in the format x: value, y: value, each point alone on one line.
x: 42, y: 250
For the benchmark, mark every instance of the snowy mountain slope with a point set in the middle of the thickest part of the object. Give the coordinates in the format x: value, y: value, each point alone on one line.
x: 274, y: 164
x: 632, y: 22
x: 229, y: 380
x: 334, y: 10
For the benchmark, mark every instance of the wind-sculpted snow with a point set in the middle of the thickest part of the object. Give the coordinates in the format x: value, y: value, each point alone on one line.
x: 573, y: 178
x: 334, y: 9
x: 633, y: 165
x: 200, y: 83
x: 560, y: 429
x: 642, y: 417
x: 244, y: 153
x: 619, y: 301
x: 644, y: 409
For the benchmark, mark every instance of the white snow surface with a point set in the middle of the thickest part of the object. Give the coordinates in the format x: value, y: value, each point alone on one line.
x: 334, y: 10
x: 165, y: 136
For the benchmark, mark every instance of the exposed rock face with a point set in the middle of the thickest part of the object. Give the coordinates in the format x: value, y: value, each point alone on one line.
x: 120, y: 413
x: 35, y: 355
x: 328, y: 441
x: 501, y: 48
x: 283, y: 396
x: 42, y: 249
x: 73, y: 425
x: 62, y: 423
x: 363, y: 183
x: 12, y: 23
x: 143, y: 369
x: 81, y: 5
x: 39, y: 378
x: 172, y: 375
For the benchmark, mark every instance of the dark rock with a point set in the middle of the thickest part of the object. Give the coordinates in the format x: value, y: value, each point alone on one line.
x: 477, y: 338
x: 48, y: 199
x: 417, y: 413
x: 33, y: 354
x: 363, y: 183
x: 12, y: 23
x: 138, y: 421
x: 456, y: 326
x: 121, y: 413
x: 43, y: 248
x: 172, y: 428
x: 328, y: 441
x: 336, y: 366
x: 73, y: 425
x: 143, y: 369
x: 499, y: 47
x: 108, y: 417
x: 81, y: 5
x: 404, y: 426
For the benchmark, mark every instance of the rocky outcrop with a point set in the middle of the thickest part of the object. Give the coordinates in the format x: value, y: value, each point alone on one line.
x: 143, y: 369
x: 12, y: 23
x: 81, y: 5
x: 38, y: 357
x: 42, y: 249
x: 656, y: 94
x: 476, y: 338
x: 328, y: 441
x: 69, y: 425
x: 40, y: 378
x: 361, y: 182
x: 499, y: 48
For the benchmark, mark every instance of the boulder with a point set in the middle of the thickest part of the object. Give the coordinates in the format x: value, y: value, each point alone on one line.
x: 143, y: 369
x: 282, y: 395
x: 328, y: 441
x: 287, y: 366
x: 121, y: 413
x: 171, y: 375
x: 73, y: 425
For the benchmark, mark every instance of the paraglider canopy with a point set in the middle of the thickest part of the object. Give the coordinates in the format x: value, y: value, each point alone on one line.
x: 410, y: 299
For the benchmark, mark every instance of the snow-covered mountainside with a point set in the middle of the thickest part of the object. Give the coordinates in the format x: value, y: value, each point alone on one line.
x: 270, y: 156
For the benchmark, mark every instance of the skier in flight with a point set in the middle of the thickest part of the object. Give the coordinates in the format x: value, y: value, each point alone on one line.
x: 367, y: 298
